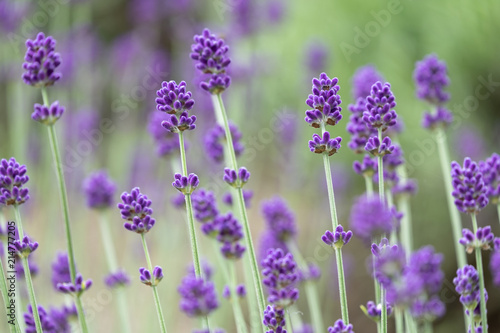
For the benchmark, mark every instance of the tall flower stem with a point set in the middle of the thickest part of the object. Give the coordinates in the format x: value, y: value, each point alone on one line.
x: 480, y: 271
x: 159, y: 311
x: 368, y: 184
x: 219, y: 107
x: 335, y: 223
x: 456, y: 224
x: 110, y: 254
x: 27, y: 274
x: 56, y: 155
x: 310, y: 288
x: 235, y: 301
x: 398, y: 317
x: 498, y: 211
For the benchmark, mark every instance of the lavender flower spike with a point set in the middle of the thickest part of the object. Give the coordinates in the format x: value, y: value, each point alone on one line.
x: 24, y: 247
x: 236, y: 180
x: 136, y: 210
x: 337, y: 239
x: 481, y: 240
x: 431, y: 78
x: 324, y: 145
x: 379, y: 107
x: 363, y: 80
x: 47, y: 115
x: 377, y: 148
x: 367, y: 167
x: 324, y: 101
x: 173, y: 98
x: 469, y: 189
x: 441, y: 118
x: 41, y: 61
x: 183, y: 123
x: 340, y: 327
x: 280, y: 276
x: 151, y: 279
x: 48, y: 324
x: 198, y: 297
x: 13, y: 177
x: 186, y: 185
x: 491, y: 176
x: 77, y: 288
x: 117, y: 279
x: 274, y: 319
x: 99, y: 190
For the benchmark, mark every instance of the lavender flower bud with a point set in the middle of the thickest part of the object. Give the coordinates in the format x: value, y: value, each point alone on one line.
x: 204, y: 205
x: 406, y: 187
x: 99, y: 190
x: 12, y: 180
x: 41, y: 61
x: 279, y: 218
x: 368, y: 167
x: 467, y: 285
x: 388, y: 262
x: 374, y: 311
x: 340, y: 327
x: 469, y: 189
x: 47, y: 322
x: 371, y: 218
x: 481, y: 240
x: 136, y: 210
x: 491, y: 176
x: 117, y: 279
x: 379, y: 105
x: 274, y: 319
x: 495, y: 263
x: 77, y: 288
x: 47, y: 115
x: 324, y: 101
x: 198, y: 296
x: 337, y: 239
x: 179, y: 124
x: 441, y: 118
x: 151, y: 279
x: 60, y: 269
x: 174, y: 98
x: 377, y: 148
x: 280, y: 276
x: 363, y: 80
x: 324, y: 145
x: 227, y: 198
x: 236, y: 180
x: 431, y: 78
x: 241, y: 290
x: 25, y: 247
x: 186, y: 185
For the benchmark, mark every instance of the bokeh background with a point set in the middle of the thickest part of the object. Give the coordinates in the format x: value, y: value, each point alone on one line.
x: 115, y: 55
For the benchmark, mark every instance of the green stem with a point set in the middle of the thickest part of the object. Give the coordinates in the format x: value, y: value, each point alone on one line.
x: 159, y: 311
x: 342, y: 288
x: 398, y: 317
x: 409, y: 322
x: 110, y: 254
x: 368, y: 184
x: 241, y: 326
x: 288, y: 321
x: 27, y: 273
x: 222, y: 115
x: 311, y: 290
x: 479, y: 263
x: 380, y: 170
x: 406, y: 226
x: 428, y: 327
x: 498, y: 211
x: 383, y: 316
x: 31, y: 293
x: 444, y: 159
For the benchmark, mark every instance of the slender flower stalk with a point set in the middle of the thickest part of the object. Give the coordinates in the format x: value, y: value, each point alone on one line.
x: 381, y: 191
x: 235, y: 301
x: 480, y: 271
x: 159, y: 310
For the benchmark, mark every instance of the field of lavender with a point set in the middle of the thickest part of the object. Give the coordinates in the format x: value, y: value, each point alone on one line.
x: 249, y: 166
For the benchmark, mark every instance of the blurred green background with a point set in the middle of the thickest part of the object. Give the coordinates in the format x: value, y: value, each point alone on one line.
x: 115, y: 55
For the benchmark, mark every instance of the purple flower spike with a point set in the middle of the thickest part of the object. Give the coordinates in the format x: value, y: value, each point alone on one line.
x: 280, y: 277
x: 204, y: 205
x: 481, y: 240
x: 210, y: 54
x: 374, y: 311
x: 99, y: 190
x: 24, y: 247
x: 236, y: 180
x: 77, y: 288
x: 491, y: 176
x: 340, y: 327
x: 274, y: 319
x: 371, y: 218
x: 215, y: 142
x: 431, y: 78
x: 377, y: 148
x: 324, y: 101
x: 136, y: 210
x: 60, y: 269
x: 363, y: 80
x: 186, y: 185
x: 228, y: 231
x: 174, y: 98
x: 368, y: 167
x: 198, y: 296
x: 48, y: 324
x: 324, y: 145
x: 117, y: 279
x: 12, y: 180
x: 379, y: 105
x: 495, y: 263
x: 181, y: 124
x: 388, y: 263
x: 338, y: 238
x: 469, y: 190
x: 47, y: 115
x: 280, y: 219
x: 359, y: 130
x: 467, y: 285
x: 41, y: 62
x: 441, y: 118
x: 153, y: 279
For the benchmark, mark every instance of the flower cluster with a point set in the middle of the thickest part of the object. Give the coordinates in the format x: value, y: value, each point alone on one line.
x: 325, y: 144
x: 151, y: 279
x: 338, y: 238
x: 491, y: 176
x: 274, y: 319
x: 47, y: 322
x: 340, y: 327
x: 228, y: 231
x: 176, y: 101
x: 236, y: 179
x: 117, y: 279
x: 368, y: 167
x: 214, y: 145
x: 388, y: 264
x: 481, y: 240
x: 391, y: 162
x: 374, y: 311
x: 371, y: 218
x: 363, y: 80
x: 47, y: 115
x: 204, y: 205
x: 60, y: 269
x: 166, y: 142
x: 198, y: 296
x: 469, y: 190
x: 324, y: 101
x: 379, y: 148
x: 467, y: 285
x: 210, y: 54
x: 280, y: 277
x: 431, y: 78
x: 136, y: 210
x: 186, y: 185
x: 495, y: 263
x: 76, y: 288
x: 442, y: 117
x: 359, y: 130
x: 13, y: 177
x: 279, y: 218
x: 379, y: 107
x: 99, y: 190
x: 41, y: 61
x: 24, y: 247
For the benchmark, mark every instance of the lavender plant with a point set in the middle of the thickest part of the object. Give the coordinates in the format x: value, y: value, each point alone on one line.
x: 40, y: 65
